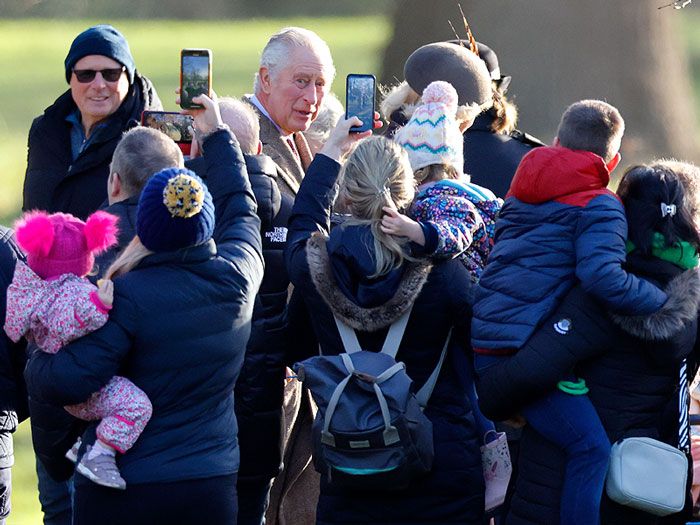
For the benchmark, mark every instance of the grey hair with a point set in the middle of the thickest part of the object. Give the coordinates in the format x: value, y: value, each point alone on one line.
x: 141, y: 153
x: 330, y: 112
x: 276, y: 52
x: 243, y: 121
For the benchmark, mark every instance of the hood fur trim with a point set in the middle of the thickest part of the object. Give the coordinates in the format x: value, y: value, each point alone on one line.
x: 681, y: 307
x: 357, y: 317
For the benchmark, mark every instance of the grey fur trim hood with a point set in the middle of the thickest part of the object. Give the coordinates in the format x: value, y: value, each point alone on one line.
x: 357, y: 317
x: 681, y: 307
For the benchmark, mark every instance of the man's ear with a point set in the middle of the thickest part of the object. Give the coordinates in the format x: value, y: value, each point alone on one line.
x: 114, y: 184
x: 259, y: 148
x: 612, y: 163
x: 264, y: 76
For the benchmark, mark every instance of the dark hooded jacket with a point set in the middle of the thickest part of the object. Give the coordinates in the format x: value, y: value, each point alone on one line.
x: 53, y: 181
x: 178, y: 330
x: 491, y: 159
x: 558, y: 225
x: 260, y: 384
x: 632, y: 368
x: 332, y: 271
x: 13, y: 394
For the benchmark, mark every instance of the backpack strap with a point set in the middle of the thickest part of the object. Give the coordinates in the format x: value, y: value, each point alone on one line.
x: 348, y: 336
x: 395, y: 334
x: 423, y: 395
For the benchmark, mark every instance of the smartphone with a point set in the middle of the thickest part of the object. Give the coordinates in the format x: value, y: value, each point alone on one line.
x: 360, y: 100
x: 195, y: 76
x: 177, y: 126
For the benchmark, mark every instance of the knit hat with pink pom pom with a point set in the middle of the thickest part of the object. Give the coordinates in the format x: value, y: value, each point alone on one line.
x: 60, y: 243
x: 432, y: 136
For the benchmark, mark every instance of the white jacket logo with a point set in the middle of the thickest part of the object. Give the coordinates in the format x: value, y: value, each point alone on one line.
x: 278, y: 234
x: 563, y: 326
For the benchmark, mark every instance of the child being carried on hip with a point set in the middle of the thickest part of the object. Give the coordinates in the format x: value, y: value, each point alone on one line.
x: 559, y: 225
x: 51, y: 303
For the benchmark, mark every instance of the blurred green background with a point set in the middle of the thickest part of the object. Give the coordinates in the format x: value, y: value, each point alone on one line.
x: 32, y: 51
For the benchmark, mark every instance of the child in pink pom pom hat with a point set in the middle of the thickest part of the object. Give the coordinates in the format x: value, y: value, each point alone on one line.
x: 51, y: 303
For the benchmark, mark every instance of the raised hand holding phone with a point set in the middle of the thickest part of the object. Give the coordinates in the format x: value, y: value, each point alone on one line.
x: 360, y: 100
x: 207, y: 119
x: 195, y: 76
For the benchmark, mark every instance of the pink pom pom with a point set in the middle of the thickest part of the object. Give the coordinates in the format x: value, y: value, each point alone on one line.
x: 440, y: 92
x: 100, y: 231
x: 34, y: 233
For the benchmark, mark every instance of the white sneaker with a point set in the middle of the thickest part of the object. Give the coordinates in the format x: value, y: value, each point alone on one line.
x: 102, y: 469
x: 72, y: 454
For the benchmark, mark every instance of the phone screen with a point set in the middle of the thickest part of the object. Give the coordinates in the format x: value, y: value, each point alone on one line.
x: 359, y: 100
x: 177, y: 126
x: 195, y: 77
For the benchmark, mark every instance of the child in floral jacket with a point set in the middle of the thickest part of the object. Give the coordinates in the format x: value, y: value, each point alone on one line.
x: 51, y: 303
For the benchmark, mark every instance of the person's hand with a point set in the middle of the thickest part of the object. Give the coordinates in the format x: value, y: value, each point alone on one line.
x: 341, y: 141
x: 105, y: 291
x: 516, y: 421
x: 395, y: 223
x: 207, y: 119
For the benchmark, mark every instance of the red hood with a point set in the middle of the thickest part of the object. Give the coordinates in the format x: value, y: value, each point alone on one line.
x: 554, y: 173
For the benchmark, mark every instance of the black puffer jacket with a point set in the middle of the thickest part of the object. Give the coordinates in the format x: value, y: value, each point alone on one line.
x: 260, y: 383
x: 633, y: 383
x: 331, y: 270
x: 13, y: 394
x: 492, y: 158
x: 53, y: 182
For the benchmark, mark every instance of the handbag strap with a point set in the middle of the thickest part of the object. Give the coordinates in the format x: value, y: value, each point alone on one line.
x: 683, y: 405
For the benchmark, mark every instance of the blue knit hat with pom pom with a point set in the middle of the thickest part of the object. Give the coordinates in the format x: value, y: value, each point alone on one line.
x: 175, y: 211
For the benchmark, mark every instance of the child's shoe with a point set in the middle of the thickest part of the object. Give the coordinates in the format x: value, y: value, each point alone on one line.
x: 72, y: 454
x: 496, y: 466
x: 102, y: 469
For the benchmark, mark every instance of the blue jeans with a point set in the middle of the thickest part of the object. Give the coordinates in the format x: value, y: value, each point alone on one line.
x: 572, y: 424
x: 55, y: 498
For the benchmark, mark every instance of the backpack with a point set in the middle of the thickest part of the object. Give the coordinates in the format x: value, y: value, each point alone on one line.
x: 370, y: 431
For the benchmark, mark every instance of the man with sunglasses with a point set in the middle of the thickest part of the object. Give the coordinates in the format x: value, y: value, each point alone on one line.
x: 71, y: 144
x: 70, y: 150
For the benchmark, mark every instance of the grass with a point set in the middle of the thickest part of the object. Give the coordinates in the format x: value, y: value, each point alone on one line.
x: 32, y: 54
x: 31, y: 61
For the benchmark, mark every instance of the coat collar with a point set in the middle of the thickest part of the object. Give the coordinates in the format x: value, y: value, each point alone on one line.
x: 276, y: 148
x: 681, y: 307
x: 357, y: 317
x: 192, y: 255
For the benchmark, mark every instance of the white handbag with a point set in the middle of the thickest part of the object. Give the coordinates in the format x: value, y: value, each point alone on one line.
x: 648, y: 475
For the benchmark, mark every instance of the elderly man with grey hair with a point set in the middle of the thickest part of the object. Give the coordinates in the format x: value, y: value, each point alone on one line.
x: 296, y: 71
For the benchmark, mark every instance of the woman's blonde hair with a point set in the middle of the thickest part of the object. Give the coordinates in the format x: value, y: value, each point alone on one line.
x: 133, y: 254
x: 378, y: 174
x: 436, y: 172
x: 506, y: 113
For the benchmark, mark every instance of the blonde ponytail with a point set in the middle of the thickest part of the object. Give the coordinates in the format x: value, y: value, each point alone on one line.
x: 376, y: 175
x: 128, y: 259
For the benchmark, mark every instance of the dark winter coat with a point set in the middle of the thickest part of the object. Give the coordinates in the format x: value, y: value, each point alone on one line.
x: 178, y: 330
x: 13, y: 394
x: 126, y: 212
x: 53, y: 181
x: 633, y: 381
x: 260, y: 383
x: 559, y: 224
x: 331, y: 271
x: 490, y: 159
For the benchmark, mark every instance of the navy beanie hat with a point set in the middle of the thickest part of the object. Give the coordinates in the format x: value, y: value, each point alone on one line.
x: 175, y: 211
x: 101, y: 40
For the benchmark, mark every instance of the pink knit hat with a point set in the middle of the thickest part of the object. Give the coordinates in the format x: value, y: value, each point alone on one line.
x: 60, y: 243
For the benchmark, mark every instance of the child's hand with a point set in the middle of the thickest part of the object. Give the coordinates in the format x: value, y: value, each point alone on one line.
x: 395, y: 223
x: 105, y: 291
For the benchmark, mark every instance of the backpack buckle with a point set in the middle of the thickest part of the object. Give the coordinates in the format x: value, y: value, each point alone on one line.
x: 362, y: 376
x: 391, y: 436
x: 327, y: 438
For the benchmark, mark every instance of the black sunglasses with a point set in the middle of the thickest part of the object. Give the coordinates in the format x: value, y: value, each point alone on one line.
x: 88, y: 75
